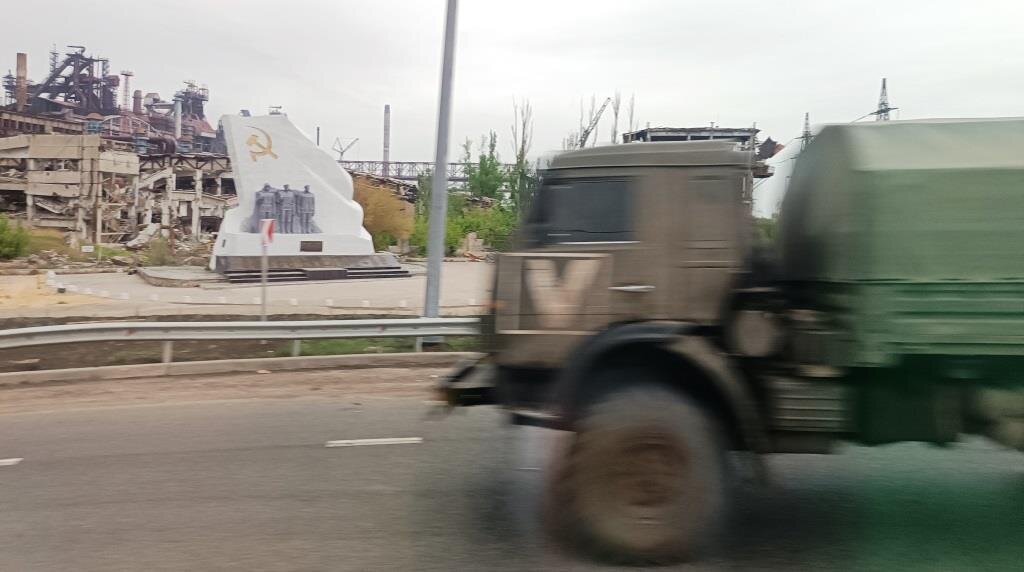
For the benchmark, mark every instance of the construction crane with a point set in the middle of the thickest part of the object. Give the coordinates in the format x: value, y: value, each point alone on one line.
x: 593, y: 123
x: 340, y: 149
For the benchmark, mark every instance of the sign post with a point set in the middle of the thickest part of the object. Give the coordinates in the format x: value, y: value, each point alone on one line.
x: 266, y: 237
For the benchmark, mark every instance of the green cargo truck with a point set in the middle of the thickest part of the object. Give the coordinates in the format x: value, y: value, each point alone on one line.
x: 637, y: 312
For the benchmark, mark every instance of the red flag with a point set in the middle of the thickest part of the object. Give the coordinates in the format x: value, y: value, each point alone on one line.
x: 267, y: 230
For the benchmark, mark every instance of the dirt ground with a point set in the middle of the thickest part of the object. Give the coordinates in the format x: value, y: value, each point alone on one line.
x: 31, y: 292
x: 124, y: 353
x: 346, y: 384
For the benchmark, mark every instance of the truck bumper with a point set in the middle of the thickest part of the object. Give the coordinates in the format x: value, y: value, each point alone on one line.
x: 471, y: 382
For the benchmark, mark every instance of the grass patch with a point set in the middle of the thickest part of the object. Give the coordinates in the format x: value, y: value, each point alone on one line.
x: 41, y: 239
x: 344, y: 346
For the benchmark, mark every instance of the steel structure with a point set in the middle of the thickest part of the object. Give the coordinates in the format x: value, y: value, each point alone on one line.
x: 410, y: 170
x: 882, y: 113
x: 80, y: 82
x: 199, y: 162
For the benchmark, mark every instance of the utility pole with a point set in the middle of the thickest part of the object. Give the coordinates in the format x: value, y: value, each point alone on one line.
x: 439, y: 189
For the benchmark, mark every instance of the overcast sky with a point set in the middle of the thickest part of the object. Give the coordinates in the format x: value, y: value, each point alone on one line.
x: 336, y: 63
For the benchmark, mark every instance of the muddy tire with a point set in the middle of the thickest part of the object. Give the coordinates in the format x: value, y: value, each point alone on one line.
x: 644, y: 480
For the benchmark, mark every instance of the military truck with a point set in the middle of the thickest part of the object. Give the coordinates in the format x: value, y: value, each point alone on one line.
x: 637, y: 311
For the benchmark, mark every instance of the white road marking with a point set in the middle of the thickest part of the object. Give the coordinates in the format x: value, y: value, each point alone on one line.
x: 386, y: 441
x: 10, y: 462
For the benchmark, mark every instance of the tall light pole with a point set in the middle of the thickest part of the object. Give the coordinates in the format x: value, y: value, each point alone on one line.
x: 439, y: 187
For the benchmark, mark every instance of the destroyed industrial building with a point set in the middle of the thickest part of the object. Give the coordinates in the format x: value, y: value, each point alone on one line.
x: 80, y: 151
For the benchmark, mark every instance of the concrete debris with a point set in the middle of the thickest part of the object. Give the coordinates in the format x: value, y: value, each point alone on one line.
x: 145, y: 235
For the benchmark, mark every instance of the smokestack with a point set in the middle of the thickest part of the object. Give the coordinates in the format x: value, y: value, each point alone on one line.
x: 21, y: 82
x: 126, y: 89
x: 387, y: 140
x: 177, y: 118
x: 137, y: 102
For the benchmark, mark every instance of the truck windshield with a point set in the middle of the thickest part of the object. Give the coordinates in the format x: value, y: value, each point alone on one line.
x: 582, y: 210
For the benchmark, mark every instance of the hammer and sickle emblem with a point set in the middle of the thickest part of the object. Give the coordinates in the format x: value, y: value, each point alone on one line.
x: 258, y: 148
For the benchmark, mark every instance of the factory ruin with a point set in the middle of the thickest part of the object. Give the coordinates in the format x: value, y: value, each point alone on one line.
x: 80, y: 151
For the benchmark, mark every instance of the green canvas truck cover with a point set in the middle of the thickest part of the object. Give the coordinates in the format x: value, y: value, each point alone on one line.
x: 918, y: 200
x: 912, y: 234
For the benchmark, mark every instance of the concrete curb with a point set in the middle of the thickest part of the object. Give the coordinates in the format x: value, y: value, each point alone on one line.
x: 351, y: 361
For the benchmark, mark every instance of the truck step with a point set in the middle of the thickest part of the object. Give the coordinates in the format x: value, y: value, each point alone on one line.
x: 809, y: 405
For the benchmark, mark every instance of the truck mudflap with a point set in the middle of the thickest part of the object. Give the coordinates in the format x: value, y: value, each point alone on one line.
x: 471, y: 382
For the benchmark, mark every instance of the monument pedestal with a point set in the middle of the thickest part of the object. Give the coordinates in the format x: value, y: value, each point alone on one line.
x: 240, y: 251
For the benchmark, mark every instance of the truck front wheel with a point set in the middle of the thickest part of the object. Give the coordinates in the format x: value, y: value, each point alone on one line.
x: 643, y: 481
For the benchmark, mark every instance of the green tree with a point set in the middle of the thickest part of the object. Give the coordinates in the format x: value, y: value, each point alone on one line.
x: 766, y: 229
x: 485, y: 176
x: 13, y: 239
x: 424, y: 184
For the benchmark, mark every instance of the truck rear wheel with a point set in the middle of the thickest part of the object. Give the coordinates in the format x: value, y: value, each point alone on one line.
x: 643, y: 482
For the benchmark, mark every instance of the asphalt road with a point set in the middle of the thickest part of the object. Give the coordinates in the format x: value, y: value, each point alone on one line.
x: 250, y: 485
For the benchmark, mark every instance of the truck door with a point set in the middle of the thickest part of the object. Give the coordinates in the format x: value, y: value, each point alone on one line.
x: 580, y: 267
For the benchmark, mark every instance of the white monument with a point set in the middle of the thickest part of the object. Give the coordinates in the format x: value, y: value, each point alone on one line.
x: 280, y: 174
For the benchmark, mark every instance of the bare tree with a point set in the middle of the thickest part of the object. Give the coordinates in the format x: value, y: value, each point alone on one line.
x: 631, y: 112
x: 521, y: 179
x: 522, y: 129
x: 616, y: 102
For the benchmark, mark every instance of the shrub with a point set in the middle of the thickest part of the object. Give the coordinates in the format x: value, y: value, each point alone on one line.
x: 492, y: 225
x: 386, y: 217
x: 13, y: 239
x: 159, y: 253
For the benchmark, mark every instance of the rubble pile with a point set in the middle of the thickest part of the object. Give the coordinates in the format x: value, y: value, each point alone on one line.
x: 53, y: 260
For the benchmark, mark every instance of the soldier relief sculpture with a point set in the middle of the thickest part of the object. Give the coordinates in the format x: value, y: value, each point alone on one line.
x: 293, y: 210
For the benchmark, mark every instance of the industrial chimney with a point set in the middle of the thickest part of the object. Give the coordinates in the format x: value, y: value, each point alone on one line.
x: 137, y: 102
x: 177, y: 118
x: 385, y: 171
x: 21, y: 82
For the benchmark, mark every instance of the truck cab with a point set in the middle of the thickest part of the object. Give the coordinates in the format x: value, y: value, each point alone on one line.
x: 617, y: 235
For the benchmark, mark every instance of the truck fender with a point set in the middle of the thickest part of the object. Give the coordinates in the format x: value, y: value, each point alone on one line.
x: 673, y: 342
x: 715, y: 365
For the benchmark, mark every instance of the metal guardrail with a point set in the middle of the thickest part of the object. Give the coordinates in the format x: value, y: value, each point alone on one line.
x: 169, y: 332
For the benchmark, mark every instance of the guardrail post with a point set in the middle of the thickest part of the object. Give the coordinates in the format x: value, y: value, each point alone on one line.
x: 296, y: 348
x: 167, y: 355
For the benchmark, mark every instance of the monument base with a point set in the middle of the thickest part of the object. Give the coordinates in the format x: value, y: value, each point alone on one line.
x: 289, y: 250
x: 382, y: 260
